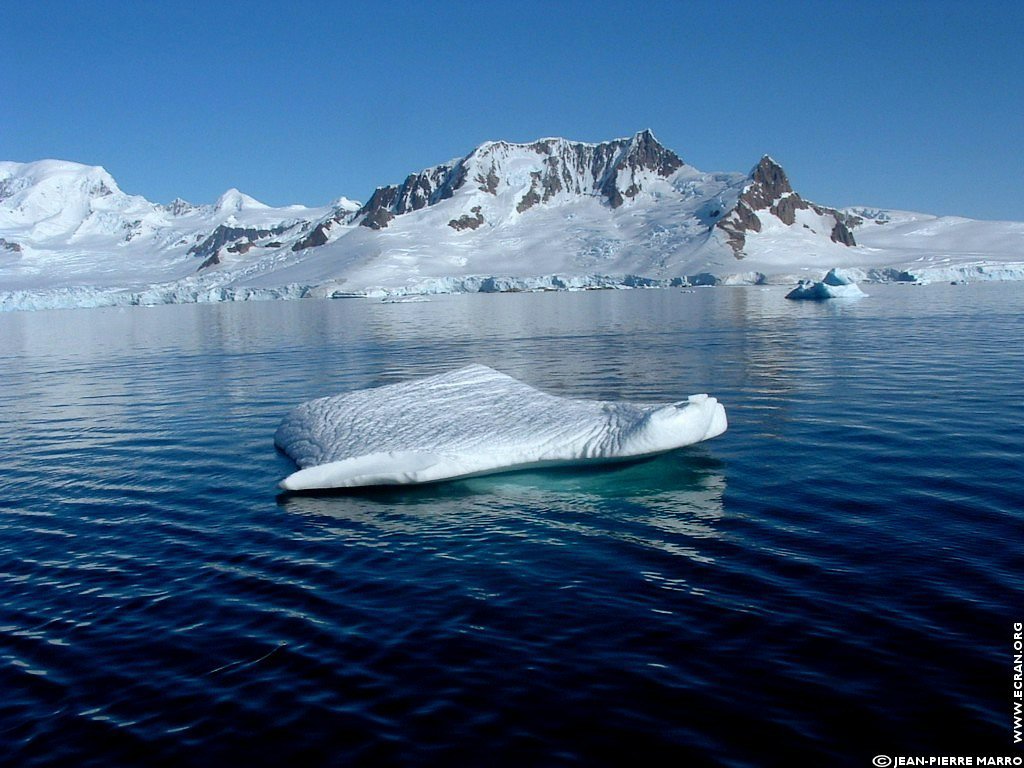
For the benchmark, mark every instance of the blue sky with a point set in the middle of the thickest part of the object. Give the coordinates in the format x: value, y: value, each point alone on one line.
x: 914, y: 105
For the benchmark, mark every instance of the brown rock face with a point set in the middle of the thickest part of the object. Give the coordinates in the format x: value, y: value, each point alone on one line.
x: 467, y: 221
x: 786, y: 208
x: 223, y: 235
x: 377, y: 219
x: 314, y: 239
x: 320, y: 234
x: 10, y: 247
x: 529, y: 200
x: 769, y: 183
x: 417, y: 191
x: 842, y: 234
x: 648, y: 152
x: 488, y: 183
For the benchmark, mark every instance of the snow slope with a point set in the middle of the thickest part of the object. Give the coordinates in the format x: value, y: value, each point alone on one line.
x: 941, y: 248
x: 548, y: 214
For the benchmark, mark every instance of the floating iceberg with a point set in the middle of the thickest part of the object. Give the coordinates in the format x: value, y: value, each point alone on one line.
x: 835, y: 285
x: 474, y: 421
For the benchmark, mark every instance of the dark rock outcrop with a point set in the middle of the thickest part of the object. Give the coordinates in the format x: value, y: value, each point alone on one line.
x: 645, y: 151
x: 10, y: 187
x: 209, y: 248
x: 419, y: 190
x: 468, y: 222
x: 528, y: 200
x: 377, y: 219
x: 315, y: 238
x: 785, y: 208
x: 7, y: 246
x: 842, y: 234
x: 320, y: 233
x: 178, y: 207
x: 488, y: 183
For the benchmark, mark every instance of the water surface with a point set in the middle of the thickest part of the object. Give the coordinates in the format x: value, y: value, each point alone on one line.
x: 834, y: 578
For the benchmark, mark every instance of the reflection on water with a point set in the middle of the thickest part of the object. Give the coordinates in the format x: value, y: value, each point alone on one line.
x: 665, y: 503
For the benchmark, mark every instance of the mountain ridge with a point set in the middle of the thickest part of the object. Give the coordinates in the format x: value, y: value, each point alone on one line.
x: 579, y: 167
x: 551, y: 212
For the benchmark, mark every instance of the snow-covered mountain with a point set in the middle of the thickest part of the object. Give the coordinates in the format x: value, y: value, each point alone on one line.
x: 551, y: 213
x: 64, y: 225
x: 556, y: 212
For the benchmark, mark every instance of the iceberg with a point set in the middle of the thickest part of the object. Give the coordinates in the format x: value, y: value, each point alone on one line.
x: 835, y: 285
x: 474, y: 421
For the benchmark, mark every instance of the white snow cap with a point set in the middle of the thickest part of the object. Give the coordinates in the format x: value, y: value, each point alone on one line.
x: 54, y: 193
x: 233, y: 200
x: 474, y: 421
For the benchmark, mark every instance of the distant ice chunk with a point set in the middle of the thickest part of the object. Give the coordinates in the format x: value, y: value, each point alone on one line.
x: 837, y: 284
x: 474, y: 421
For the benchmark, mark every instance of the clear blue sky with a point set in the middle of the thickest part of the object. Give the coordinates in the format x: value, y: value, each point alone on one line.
x: 915, y: 105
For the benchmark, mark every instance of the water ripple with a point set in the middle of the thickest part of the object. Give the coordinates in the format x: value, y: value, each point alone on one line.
x: 847, y: 554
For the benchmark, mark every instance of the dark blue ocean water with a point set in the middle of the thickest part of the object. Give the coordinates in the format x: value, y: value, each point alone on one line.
x: 835, y: 577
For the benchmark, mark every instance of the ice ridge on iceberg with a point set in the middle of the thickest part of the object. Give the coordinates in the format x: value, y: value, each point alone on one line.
x: 835, y: 285
x: 474, y: 421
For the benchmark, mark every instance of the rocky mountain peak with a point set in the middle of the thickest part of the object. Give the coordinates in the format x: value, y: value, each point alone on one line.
x: 772, y: 180
x: 646, y: 152
x: 769, y: 193
x: 179, y: 207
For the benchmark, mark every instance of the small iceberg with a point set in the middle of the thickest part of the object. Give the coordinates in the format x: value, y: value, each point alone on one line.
x: 835, y: 285
x: 474, y: 421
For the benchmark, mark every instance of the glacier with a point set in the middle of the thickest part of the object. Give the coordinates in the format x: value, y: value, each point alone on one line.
x: 472, y: 421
